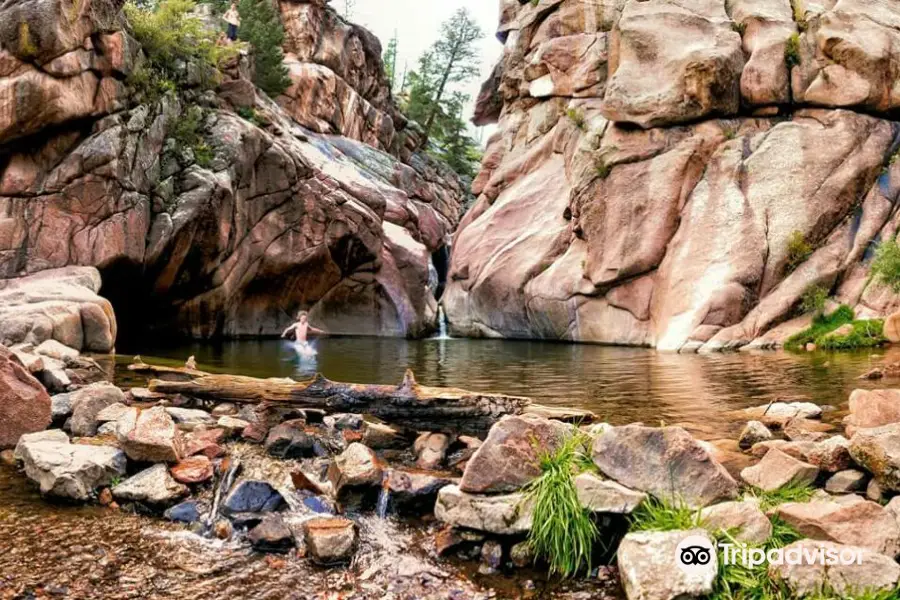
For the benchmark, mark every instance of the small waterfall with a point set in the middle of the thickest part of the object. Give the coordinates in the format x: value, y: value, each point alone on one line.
x: 442, y: 325
x: 226, y: 481
x: 384, y: 501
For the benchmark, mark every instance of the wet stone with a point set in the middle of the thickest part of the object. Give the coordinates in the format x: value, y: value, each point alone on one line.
x: 252, y: 496
x: 186, y: 512
x: 271, y: 535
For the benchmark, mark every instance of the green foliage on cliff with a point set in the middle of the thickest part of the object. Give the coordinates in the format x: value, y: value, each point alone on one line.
x: 798, y: 250
x: 262, y: 29
x: 886, y: 266
x: 864, y: 333
x: 188, y: 134
x: 563, y: 531
x: 792, y: 51
x: 814, y: 300
x: 430, y: 99
x: 181, y: 51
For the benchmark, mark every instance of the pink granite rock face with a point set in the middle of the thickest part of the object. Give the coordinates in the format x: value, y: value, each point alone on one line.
x: 652, y: 203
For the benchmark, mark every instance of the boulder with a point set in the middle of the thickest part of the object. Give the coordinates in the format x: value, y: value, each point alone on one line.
x: 250, y: 496
x: 193, y: 469
x: 56, y: 350
x: 431, y: 449
x: 872, y: 408
x: 606, y: 496
x: 753, y: 433
x: 88, y: 402
x: 508, y: 458
x: 673, y: 65
x: 806, y: 430
x: 205, y: 442
x: 831, y: 455
x: 49, y: 435
x: 857, y: 523
x: 846, y: 482
x: 892, y: 327
x: 875, y: 492
x: 357, y: 466
x: 777, y: 470
x: 784, y: 411
x: 71, y: 471
x: 290, y: 440
x: 112, y: 413
x: 650, y: 569
x: 744, y: 520
x: 24, y: 403
x: 873, y: 573
x: 185, y: 512
x: 666, y: 462
x: 798, y: 450
x: 878, y: 451
x: 150, y: 436
x: 414, y: 490
x: 55, y: 378
x: 188, y: 419
x: 61, y: 407
x: 491, y: 557
x: 330, y: 540
x: 271, y: 535
x: 153, y: 486
x: 232, y: 425
x: 502, y: 514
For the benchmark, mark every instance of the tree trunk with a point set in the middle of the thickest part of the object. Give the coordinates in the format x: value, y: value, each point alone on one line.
x: 409, y: 404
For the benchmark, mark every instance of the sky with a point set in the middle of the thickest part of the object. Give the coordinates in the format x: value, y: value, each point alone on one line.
x: 417, y: 24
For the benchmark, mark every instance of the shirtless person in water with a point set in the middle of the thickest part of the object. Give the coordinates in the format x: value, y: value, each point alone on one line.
x: 302, y: 328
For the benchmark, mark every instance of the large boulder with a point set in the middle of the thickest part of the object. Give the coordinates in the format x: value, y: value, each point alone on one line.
x: 24, y: 403
x: 150, y: 436
x: 673, y: 64
x: 872, y: 574
x: 71, y: 471
x: 87, y: 404
x: 153, y: 486
x: 509, y: 457
x: 878, y: 451
x: 606, y: 496
x: 856, y: 523
x: 777, y: 470
x: 743, y: 520
x: 650, y: 568
x: 666, y: 462
x: 61, y: 305
x: 872, y: 408
x: 503, y: 514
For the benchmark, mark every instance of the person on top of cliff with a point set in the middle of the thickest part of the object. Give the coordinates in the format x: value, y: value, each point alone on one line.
x: 233, y: 18
x: 302, y: 328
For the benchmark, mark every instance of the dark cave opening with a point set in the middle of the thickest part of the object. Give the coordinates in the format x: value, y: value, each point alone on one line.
x: 124, y: 285
x: 441, y: 261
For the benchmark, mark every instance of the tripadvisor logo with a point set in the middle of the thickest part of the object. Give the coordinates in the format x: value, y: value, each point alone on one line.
x: 694, y: 555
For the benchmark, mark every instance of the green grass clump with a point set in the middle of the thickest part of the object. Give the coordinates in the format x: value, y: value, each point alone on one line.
x: 886, y: 266
x: 813, y: 300
x: 563, y: 532
x: 792, y: 51
x: 822, y: 325
x: 577, y: 117
x: 188, y: 133
x: 798, y: 250
x: 865, y: 334
x: 788, y: 493
x: 657, y: 515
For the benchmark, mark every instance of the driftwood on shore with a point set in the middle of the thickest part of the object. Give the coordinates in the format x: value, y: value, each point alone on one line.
x: 409, y: 404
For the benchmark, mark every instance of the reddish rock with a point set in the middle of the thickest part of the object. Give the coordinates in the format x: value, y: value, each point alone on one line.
x: 508, y: 458
x: 194, y: 469
x: 872, y: 408
x: 24, y: 403
x: 857, y: 522
x: 205, y: 442
x: 150, y: 436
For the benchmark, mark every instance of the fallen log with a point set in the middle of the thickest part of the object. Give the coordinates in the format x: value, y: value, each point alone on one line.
x: 410, y: 404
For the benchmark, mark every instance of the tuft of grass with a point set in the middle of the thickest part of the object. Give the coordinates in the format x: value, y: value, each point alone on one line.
x: 563, y: 532
x: 739, y: 28
x: 789, y: 493
x: 658, y: 515
x: 577, y: 117
x: 821, y: 325
x: 792, y: 51
x: 799, y: 10
x: 886, y: 266
x: 603, y: 169
x: 26, y: 44
x: 813, y: 300
x: 798, y: 250
x: 865, y: 334
x: 249, y: 114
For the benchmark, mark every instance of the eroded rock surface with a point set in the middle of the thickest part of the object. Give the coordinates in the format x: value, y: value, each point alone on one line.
x: 653, y: 202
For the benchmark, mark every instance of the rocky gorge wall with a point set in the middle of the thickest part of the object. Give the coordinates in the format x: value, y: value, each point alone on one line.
x: 315, y: 203
x: 655, y: 157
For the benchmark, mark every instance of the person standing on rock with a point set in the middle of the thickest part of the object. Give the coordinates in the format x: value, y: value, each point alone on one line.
x: 233, y: 18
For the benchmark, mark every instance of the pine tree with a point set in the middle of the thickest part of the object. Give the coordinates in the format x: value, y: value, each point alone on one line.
x: 390, y: 61
x: 454, y: 58
x: 261, y: 27
x: 431, y: 100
